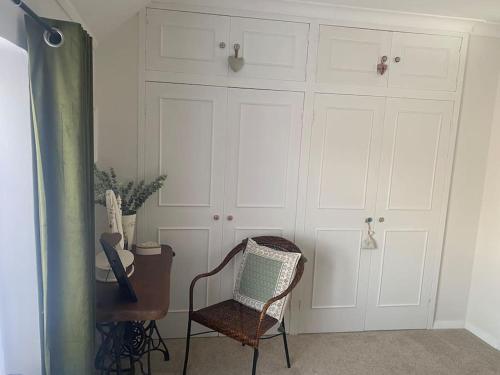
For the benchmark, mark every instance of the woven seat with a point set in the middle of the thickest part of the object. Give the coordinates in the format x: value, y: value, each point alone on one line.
x: 235, y: 320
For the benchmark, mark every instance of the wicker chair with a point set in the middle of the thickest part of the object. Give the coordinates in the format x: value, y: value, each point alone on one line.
x: 238, y: 321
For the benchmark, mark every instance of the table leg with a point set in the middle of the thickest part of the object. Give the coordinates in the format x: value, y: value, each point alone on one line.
x: 117, y: 346
x: 129, y: 340
x: 166, y: 355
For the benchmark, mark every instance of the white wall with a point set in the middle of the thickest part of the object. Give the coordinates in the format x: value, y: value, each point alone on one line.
x: 467, y: 182
x: 115, y: 87
x: 115, y: 100
x: 483, y: 314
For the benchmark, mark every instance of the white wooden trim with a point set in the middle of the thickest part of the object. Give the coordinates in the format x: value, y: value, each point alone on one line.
x: 325, y: 13
x: 450, y: 167
x: 307, y: 120
x: 224, y: 81
x: 143, y: 221
x: 486, y: 29
x: 449, y: 324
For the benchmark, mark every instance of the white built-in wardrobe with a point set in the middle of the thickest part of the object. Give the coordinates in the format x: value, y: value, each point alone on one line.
x: 323, y: 128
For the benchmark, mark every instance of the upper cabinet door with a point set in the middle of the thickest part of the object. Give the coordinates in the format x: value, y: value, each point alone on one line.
x: 187, y: 42
x: 421, y: 61
x: 271, y: 49
x: 350, y: 56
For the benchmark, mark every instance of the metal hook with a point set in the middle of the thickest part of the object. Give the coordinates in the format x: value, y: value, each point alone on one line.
x: 236, y: 49
x: 382, y: 66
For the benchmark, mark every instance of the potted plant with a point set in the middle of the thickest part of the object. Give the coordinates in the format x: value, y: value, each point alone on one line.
x: 133, y: 195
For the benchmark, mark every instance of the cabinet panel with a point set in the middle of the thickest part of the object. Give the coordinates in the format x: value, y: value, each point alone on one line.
x: 184, y: 42
x: 343, y: 185
x: 337, y: 264
x: 341, y: 194
x: 427, y: 62
x: 402, y: 267
x: 410, y: 200
x: 350, y: 56
x: 261, y: 168
x: 414, y: 160
x: 184, y: 138
x: 189, y: 127
x: 271, y: 49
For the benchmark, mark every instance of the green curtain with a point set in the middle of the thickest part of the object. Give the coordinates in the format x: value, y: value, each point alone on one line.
x: 62, y: 129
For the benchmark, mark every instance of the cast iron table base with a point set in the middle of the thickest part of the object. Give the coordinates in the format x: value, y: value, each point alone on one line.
x: 129, y: 341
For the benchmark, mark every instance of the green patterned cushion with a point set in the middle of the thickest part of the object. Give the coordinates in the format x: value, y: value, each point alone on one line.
x: 263, y: 274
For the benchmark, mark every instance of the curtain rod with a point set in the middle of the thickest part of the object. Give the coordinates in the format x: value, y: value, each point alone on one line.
x: 52, y: 36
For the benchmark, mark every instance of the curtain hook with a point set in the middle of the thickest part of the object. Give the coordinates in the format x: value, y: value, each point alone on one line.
x: 54, y: 38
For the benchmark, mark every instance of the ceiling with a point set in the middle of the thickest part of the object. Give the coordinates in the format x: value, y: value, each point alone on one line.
x: 488, y: 10
x: 104, y: 16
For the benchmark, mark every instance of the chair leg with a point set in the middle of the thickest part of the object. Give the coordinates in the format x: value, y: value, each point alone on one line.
x: 286, y: 344
x: 188, y: 339
x: 255, y: 358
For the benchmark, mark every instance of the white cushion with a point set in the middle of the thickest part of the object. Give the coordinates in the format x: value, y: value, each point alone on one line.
x: 264, y: 273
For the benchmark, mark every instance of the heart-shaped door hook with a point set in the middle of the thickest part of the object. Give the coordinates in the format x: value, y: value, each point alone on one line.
x: 235, y: 62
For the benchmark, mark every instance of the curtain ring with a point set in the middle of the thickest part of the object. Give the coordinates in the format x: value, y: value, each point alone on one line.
x: 54, y: 38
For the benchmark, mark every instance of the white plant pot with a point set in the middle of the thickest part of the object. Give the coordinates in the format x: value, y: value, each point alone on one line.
x: 128, y: 224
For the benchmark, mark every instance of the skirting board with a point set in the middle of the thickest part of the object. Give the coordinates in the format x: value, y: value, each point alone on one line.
x: 483, y: 335
x: 448, y: 324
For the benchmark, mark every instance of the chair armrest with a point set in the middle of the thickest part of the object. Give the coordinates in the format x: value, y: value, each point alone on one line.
x: 293, y: 284
x: 226, y: 260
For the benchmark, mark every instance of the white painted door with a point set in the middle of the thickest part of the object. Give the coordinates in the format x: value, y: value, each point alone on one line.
x: 184, y: 42
x: 271, y: 49
x: 420, y: 61
x: 262, y: 161
x: 184, y: 137
x: 350, y: 56
x: 341, y: 194
x: 410, y: 204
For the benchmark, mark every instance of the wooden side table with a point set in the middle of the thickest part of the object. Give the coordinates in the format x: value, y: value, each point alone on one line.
x: 128, y: 330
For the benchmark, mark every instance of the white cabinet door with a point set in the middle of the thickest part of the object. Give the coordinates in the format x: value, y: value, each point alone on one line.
x: 421, y: 61
x: 410, y: 202
x: 185, y: 138
x: 350, y: 56
x: 184, y: 42
x: 261, y: 169
x: 271, y: 49
x: 341, y: 194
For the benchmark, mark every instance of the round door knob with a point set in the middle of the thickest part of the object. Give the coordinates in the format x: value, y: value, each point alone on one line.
x: 216, y: 217
x: 222, y: 45
x: 397, y: 59
x: 381, y: 219
x: 230, y: 217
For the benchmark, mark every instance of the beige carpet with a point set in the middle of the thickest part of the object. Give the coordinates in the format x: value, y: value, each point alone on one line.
x: 394, y: 352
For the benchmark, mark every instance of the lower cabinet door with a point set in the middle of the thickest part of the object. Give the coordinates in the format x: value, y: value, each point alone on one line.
x: 391, y: 169
x: 262, y: 162
x: 231, y: 157
x: 410, y: 204
x: 341, y: 194
x: 184, y: 138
